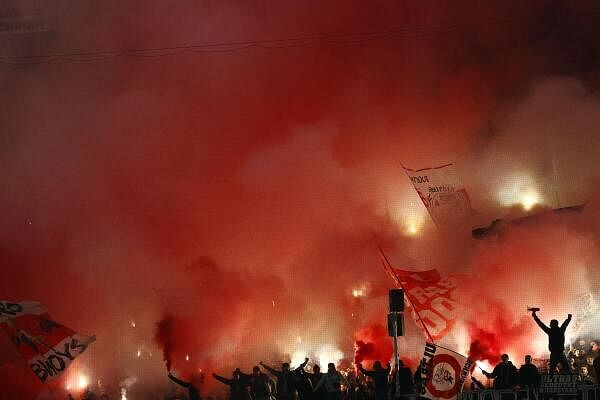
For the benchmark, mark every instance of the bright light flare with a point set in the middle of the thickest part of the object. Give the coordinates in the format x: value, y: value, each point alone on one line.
x: 409, y: 213
x: 329, y: 354
x: 139, y: 353
x: 412, y: 229
x: 123, y: 394
x: 297, y: 358
x: 361, y: 291
x: 132, y: 322
x: 485, y: 365
x: 82, y: 382
x: 528, y: 200
x: 519, y: 189
x: 187, y: 357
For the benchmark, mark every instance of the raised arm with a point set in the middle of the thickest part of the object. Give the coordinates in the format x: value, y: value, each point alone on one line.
x: 222, y: 379
x: 489, y: 374
x: 301, y: 366
x: 179, y: 381
x: 540, y: 323
x: 365, y: 372
x: 566, y: 323
x: 270, y: 369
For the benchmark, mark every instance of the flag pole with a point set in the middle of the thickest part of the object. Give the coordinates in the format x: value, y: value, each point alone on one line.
x: 390, y: 270
x: 424, y: 205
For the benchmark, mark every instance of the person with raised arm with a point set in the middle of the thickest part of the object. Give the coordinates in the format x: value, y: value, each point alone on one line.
x: 193, y: 391
x: 333, y: 381
x: 238, y: 386
x: 556, y: 342
x: 285, y: 381
x: 380, y: 377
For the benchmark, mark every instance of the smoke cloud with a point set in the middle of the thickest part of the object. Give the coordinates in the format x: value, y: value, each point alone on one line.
x: 237, y: 198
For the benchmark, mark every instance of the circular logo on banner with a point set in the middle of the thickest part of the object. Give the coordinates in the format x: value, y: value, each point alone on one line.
x: 445, y: 372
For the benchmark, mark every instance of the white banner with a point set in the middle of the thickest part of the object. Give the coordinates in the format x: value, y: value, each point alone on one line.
x: 444, y: 372
x: 441, y: 192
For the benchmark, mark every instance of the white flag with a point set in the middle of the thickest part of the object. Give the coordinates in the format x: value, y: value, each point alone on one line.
x: 444, y: 372
x: 441, y: 192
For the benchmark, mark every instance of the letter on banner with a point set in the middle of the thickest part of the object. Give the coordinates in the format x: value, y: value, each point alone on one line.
x: 47, y: 346
x: 442, y: 193
x: 431, y: 297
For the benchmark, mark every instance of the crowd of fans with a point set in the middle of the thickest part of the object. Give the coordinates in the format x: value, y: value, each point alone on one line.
x: 304, y: 384
x: 308, y: 382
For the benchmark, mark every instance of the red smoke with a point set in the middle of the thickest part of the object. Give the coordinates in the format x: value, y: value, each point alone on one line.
x: 373, y: 344
x: 244, y: 194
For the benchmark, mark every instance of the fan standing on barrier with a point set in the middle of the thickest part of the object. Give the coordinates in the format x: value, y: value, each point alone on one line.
x: 556, y: 342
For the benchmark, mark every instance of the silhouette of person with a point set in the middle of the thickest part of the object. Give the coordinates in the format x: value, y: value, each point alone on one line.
x: 315, y: 377
x: 596, y: 363
x: 302, y: 382
x: 332, y: 381
x: 529, y: 377
x: 380, y: 379
x: 238, y: 386
x: 405, y: 380
x: 417, y: 377
x: 260, y: 384
x: 556, y: 342
x: 88, y: 395
x: 285, y: 381
x: 504, y: 374
x: 193, y: 391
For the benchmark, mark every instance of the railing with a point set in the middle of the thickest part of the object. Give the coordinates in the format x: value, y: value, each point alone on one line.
x: 584, y: 392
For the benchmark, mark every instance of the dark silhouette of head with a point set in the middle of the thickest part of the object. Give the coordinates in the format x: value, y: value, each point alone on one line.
x: 236, y: 373
x: 316, y: 369
x: 285, y: 366
x: 554, y: 323
x: 377, y: 365
x: 256, y: 370
x: 331, y: 367
x: 504, y: 358
x: 527, y: 359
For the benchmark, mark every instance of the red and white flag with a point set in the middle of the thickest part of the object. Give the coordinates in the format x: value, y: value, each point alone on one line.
x: 431, y: 298
x: 442, y: 193
x: 47, y: 346
x: 444, y: 372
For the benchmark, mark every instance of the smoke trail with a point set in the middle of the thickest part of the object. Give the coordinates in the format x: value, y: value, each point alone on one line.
x: 165, y: 337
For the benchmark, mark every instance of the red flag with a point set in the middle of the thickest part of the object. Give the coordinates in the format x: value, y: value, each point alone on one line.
x: 430, y: 296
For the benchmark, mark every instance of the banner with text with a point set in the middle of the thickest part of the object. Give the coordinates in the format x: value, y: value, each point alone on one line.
x: 431, y: 298
x: 442, y: 193
x: 48, y: 347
